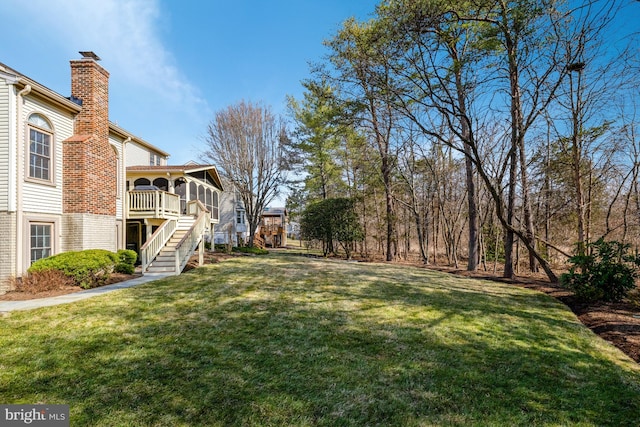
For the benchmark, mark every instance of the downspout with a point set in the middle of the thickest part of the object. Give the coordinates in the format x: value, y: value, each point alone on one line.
x: 19, y: 181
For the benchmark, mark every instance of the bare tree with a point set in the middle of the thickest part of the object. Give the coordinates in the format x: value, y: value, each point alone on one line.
x: 245, y: 142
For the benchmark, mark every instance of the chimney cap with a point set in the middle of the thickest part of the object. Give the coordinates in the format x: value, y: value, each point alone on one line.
x: 89, y: 54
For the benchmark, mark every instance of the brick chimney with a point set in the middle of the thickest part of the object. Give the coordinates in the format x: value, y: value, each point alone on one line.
x: 89, y: 176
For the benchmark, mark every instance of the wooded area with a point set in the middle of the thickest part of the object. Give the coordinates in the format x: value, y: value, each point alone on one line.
x: 497, y: 134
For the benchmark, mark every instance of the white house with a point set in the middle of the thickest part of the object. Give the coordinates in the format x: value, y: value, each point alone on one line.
x: 63, y: 176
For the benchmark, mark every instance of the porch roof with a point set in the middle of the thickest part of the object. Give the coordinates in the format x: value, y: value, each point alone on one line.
x: 177, y: 169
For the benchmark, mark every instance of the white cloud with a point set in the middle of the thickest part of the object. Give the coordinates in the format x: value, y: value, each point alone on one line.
x: 124, y: 33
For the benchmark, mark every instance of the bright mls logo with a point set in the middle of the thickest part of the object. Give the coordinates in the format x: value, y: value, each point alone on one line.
x: 34, y: 415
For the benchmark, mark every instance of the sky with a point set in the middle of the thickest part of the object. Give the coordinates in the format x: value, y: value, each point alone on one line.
x: 174, y: 63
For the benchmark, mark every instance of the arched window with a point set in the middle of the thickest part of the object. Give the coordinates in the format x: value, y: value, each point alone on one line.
x: 141, y: 181
x: 40, y: 121
x: 41, y: 150
x: 161, y: 183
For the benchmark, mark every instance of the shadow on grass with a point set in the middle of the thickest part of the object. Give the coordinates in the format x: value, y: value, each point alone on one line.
x: 286, y: 342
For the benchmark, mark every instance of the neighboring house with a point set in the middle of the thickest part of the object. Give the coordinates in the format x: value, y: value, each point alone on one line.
x: 273, y: 227
x: 233, y: 227
x: 63, y: 171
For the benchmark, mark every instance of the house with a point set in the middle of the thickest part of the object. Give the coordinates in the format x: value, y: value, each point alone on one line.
x: 163, y: 202
x: 273, y: 227
x: 232, y: 228
x: 64, y: 183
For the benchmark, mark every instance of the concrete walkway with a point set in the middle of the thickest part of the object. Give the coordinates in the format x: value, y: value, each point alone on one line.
x: 6, y: 306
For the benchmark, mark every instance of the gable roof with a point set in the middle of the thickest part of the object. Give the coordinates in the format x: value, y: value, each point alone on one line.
x: 117, y: 130
x: 21, y: 81
x: 43, y: 92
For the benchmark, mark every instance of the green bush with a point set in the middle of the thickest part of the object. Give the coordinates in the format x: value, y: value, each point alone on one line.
x: 253, y: 250
x: 126, y: 261
x: 124, y: 268
x: 88, y: 268
x: 606, y: 273
x: 127, y: 256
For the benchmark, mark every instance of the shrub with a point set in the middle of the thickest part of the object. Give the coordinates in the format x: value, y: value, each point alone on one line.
x: 42, y: 281
x: 251, y: 250
x: 124, y: 268
x: 606, y: 273
x: 127, y: 256
x: 223, y: 248
x: 88, y: 268
x: 126, y: 261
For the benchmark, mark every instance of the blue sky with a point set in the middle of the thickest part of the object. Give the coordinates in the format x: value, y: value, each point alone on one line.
x: 173, y: 63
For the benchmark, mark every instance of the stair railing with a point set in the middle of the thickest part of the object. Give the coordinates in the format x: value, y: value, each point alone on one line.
x: 188, y: 244
x: 154, y: 245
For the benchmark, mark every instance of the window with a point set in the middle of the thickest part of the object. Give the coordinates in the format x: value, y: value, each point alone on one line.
x: 161, y: 183
x: 154, y: 159
x: 239, y: 217
x: 40, y: 148
x: 39, y: 241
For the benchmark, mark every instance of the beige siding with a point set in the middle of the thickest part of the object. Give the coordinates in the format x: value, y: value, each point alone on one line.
x: 7, y: 248
x: 40, y: 197
x: 138, y: 155
x: 5, y: 145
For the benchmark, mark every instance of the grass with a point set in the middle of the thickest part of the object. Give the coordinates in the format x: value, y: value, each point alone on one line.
x: 283, y: 340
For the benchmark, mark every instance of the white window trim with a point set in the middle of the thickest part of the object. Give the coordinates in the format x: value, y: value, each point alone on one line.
x: 54, y: 221
x: 52, y: 152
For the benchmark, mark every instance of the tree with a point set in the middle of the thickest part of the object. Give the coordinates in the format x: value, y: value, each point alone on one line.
x: 318, y: 138
x: 332, y: 220
x: 245, y: 142
x: 358, y: 58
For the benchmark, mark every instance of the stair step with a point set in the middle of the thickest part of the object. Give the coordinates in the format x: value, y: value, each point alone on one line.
x: 156, y: 265
x: 161, y: 269
x: 165, y: 261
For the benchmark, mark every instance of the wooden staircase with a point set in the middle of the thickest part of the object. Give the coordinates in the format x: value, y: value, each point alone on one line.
x: 259, y: 242
x: 165, y: 262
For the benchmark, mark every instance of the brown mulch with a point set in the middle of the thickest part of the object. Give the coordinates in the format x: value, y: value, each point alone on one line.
x: 618, y: 323
x: 23, y: 296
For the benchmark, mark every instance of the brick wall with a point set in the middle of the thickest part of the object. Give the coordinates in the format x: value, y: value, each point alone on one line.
x: 89, y: 179
x: 82, y: 231
x: 8, y: 249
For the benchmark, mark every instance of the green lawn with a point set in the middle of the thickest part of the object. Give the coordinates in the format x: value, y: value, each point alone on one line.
x: 288, y: 340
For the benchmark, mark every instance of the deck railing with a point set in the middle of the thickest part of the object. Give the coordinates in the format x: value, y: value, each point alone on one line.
x: 152, y: 203
x: 271, y: 229
x: 190, y: 241
x: 154, y: 245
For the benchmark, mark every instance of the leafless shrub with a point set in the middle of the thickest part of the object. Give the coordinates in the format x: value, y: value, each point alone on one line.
x: 42, y: 281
